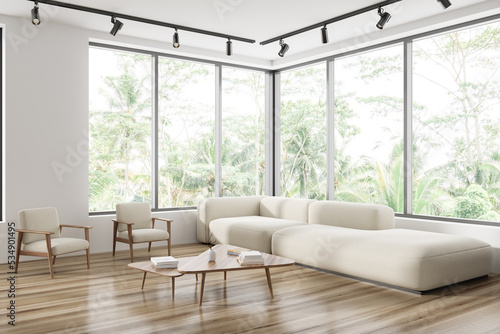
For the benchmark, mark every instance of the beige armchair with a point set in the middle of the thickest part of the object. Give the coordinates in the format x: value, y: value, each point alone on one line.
x: 40, y: 235
x: 134, y: 224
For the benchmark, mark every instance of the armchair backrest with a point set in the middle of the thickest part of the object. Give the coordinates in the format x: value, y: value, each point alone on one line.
x: 138, y: 213
x: 41, y: 219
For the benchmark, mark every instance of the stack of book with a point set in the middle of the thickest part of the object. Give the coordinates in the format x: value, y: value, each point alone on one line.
x: 251, y: 257
x: 165, y: 262
x: 236, y: 251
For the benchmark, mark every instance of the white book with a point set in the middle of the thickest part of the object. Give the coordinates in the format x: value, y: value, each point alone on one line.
x: 251, y: 255
x: 165, y: 261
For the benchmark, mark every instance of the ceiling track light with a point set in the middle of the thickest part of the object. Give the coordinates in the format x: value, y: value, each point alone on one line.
x: 141, y: 20
x: 229, y: 47
x: 176, y: 43
x: 339, y: 18
x: 384, y: 18
x: 324, y: 35
x: 35, y: 15
x: 284, y: 48
x: 445, y: 3
x: 117, y: 25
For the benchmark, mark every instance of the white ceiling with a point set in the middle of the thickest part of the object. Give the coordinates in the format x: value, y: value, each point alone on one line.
x: 254, y: 19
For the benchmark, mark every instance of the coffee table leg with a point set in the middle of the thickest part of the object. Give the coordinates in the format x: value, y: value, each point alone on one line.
x: 202, y: 287
x: 143, y: 279
x: 173, y: 287
x: 268, y: 275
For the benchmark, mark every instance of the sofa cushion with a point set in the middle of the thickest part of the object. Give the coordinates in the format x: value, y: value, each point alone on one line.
x: 353, y: 215
x: 59, y: 246
x: 214, y: 208
x: 285, y: 208
x: 138, y: 213
x: 253, y: 232
x: 409, y: 259
x: 42, y: 219
x: 145, y: 235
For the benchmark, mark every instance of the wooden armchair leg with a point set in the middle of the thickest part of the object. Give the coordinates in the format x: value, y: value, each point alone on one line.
x: 18, y: 249
x: 115, y: 229
x: 131, y: 252
x: 149, y: 247
x: 54, y: 260
x: 130, y: 244
x: 87, y: 237
x: 88, y: 257
x: 49, y: 255
x: 169, y: 247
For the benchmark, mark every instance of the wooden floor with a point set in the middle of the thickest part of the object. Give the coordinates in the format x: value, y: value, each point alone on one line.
x: 108, y: 299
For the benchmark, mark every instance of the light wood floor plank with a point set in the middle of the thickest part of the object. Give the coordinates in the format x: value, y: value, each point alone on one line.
x: 108, y: 299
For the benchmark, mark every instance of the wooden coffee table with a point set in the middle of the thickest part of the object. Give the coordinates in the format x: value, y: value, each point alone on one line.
x: 225, y: 262
x: 149, y: 267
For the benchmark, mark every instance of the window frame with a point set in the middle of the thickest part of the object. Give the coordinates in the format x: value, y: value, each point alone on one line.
x: 218, y: 117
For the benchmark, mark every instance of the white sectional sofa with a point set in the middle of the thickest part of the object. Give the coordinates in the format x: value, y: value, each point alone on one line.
x: 348, y: 238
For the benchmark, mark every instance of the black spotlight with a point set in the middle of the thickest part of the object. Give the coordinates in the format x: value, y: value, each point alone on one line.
x: 117, y: 25
x: 324, y: 35
x: 229, y: 47
x: 445, y: 3
x: 176, y: 43
x: 384, y: 18
x: 35, y: 15
x: 284, y: 48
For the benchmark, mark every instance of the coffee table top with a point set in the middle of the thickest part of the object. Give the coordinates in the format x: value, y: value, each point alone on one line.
x: 148, y: 266
x: 225, y: 262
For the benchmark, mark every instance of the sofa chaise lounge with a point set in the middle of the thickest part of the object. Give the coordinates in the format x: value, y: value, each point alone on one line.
x: 348, y: 238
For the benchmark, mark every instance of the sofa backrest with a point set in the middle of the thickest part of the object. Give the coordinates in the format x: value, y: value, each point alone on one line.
x: 224, y: 207
x: 285, y: 208
x: 352, y: 215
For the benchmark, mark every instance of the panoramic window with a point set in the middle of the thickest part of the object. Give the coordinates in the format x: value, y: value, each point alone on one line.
x: 186, y: 125
x: 120, y: 132
x: 243, y: 132
x: 369, y: 97
x: 303, y: 132
x: 456, y: 120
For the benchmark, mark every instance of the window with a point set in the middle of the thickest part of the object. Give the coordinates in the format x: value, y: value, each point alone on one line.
x: 243, y: 132
x: 369, y: 95
x: 153, y: 139
x: 303, y: 132
x: 457, y: 124
x: 120, y: 128
x: 186, y: 125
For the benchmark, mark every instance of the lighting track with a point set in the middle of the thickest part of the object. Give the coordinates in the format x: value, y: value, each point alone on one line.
x: 332, y: 20
x: 142, y: 20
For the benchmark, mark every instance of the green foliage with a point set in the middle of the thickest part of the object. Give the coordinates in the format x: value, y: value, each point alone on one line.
x: 473, y: 204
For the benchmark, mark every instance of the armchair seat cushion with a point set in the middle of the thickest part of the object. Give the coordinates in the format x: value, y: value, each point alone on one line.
x: 59, y: 246
x: 145, y: 235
